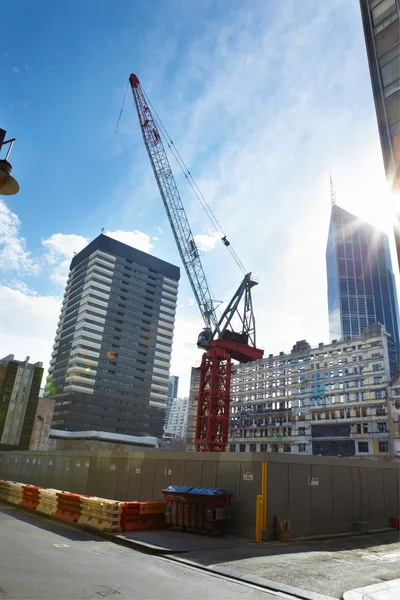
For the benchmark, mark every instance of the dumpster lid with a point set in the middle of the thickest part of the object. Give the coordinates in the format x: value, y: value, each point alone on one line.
x: 180, y: 489
x: 186, y: 489
x: 210, y: 492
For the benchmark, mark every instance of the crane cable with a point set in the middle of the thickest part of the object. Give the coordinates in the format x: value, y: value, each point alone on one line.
x: 194, y: 186
x: 122, y: 108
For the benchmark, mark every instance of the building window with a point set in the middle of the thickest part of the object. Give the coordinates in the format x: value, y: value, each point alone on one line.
x: 382, y: 428
x: 363, y: 447
x: 302, y: 431
x: 287, y: 448
x: 242, y: 447
x: 302, y: 447
x: 253, y: 447
x: 383, y: 446
x: 232, y: 448
x: 377, y: 367
x: 263, y: 448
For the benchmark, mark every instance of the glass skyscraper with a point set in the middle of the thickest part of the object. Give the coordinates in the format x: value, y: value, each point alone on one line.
x: 361, y: 285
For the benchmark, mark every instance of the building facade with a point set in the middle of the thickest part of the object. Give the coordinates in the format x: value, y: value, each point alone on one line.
x: 110, y: 363
x: 381, y: 22
x: 331, y: 400
x: 394, y: 407
x: 19, y: 395
x: 178, y: 416
x: 192, y: 409
x: 361, y: 284
x: 382, y: 37
x: 172, y: 393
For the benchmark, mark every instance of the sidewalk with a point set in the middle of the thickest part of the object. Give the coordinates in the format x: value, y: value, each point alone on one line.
x: 389, y: 590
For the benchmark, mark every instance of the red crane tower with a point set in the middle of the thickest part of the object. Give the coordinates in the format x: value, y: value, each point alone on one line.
x: 230, y: 337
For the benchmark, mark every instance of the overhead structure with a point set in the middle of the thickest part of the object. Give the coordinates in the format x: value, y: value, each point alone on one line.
x: 229, y: 337
x: 8, y: 185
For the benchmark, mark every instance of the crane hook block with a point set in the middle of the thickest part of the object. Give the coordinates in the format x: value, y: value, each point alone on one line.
x: 226, y: 241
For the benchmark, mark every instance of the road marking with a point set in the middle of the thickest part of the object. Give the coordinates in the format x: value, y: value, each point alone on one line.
x: 61, y: 545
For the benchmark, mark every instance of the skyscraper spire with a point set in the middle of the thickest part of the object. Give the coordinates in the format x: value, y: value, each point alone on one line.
x: 333, y: 193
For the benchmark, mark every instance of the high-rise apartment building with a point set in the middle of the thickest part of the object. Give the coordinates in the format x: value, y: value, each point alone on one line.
x: 381, y: 21
x: 19, y: 395
x: 110, y: 363
x: 171, y: 394
x: 192, y: 409
x: 332, y: 400
x: 361, y: 284
x: 177, y: 421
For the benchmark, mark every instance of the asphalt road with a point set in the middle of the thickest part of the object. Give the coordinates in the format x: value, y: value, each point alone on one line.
x: 42, y: 560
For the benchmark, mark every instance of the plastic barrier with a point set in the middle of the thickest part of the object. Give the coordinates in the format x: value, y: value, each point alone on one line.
x: 197, y: 509
x: 395, y: 523
x: 15, y: 492
x: 138, y: 516
x: 48, y: 501
x: 4, y: 489
x: 30, y: 496
x: 100, y: 513
x: 68, y: 506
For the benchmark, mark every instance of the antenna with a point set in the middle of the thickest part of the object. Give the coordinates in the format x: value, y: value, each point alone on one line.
x: 102, y: 230
x: 333, y: 192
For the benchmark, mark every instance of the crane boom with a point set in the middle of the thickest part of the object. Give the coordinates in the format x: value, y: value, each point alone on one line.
x: 173, y: 205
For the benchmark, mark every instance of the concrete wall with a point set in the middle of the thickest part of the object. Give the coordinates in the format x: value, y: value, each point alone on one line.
x: 347, y: 490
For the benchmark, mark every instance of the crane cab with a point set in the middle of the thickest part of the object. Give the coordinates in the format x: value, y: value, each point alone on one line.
x: 204, y: 339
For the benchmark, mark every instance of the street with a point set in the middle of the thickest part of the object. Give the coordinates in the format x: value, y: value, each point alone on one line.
x: 42, y: 560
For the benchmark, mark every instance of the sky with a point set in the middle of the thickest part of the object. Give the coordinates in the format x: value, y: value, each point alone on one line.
x: 263, y: 99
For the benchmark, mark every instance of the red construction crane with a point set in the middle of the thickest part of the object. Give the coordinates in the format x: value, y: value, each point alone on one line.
x: 221, y: 338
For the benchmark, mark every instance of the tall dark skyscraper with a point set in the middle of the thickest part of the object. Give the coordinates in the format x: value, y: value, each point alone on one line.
x: 381, y: 22
x: 361, y: 285
x: 110, y: 363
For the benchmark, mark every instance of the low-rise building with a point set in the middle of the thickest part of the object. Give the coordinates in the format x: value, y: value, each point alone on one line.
x: 332, y: 400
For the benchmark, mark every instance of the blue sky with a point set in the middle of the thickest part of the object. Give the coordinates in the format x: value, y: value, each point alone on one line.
x: 262, y: 99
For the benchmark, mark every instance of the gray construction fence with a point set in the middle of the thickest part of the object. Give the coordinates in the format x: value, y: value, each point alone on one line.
x: 320, y: 495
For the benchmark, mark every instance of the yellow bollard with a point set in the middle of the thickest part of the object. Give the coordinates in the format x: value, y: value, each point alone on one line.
x: 264, y: 487
x: 259, y: 517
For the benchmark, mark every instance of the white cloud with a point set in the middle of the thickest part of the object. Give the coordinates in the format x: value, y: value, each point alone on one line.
x: 207, y: 241
x: 160, y: 229
x: 155, y: 238
x: 13, y: 253
x: 15, y: 69
x: 137, y: 239
x: 61, y: 248
x: 62, y: 245
x: 28, y: 324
